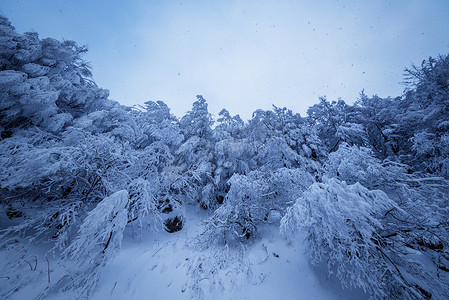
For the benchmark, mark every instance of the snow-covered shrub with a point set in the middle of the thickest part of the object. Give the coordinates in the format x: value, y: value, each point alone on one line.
x: 98, y: 242
x: 44, y: 181
x: 275, y: 153
x: 357, y: 164
x: 255, y: 199
x: 24, y: 165
x: 418, y: 232
x: 195, y: 155
x: 423, y: 144
x: 142, y: 197
x: 158, y: 124
x: 232, y: 156
x: 343, y: 230
x: 432, y: 150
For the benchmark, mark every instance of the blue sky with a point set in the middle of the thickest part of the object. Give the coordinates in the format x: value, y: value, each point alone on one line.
x: 243, y: 55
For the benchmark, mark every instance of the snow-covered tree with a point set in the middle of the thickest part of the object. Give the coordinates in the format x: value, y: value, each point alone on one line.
x: 256, y: 199
x: 195, y: 155
x: 343, y: 230
x: 98, y: 241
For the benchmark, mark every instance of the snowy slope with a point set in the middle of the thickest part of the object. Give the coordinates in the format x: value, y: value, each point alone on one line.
x: 173, y: 266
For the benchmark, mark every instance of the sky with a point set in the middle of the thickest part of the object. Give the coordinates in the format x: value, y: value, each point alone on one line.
x: 243, y: 55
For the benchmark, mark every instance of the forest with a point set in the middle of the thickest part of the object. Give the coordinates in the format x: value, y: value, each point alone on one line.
x: 364, y: 184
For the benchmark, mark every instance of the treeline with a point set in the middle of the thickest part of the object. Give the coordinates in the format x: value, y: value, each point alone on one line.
x: 367, y: 182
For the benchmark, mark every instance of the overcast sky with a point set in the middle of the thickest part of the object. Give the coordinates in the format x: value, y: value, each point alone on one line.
x: 243, y: 55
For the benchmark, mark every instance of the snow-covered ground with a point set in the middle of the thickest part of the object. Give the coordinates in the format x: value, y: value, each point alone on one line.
x: 178, y: 266
x: 183, y: 265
